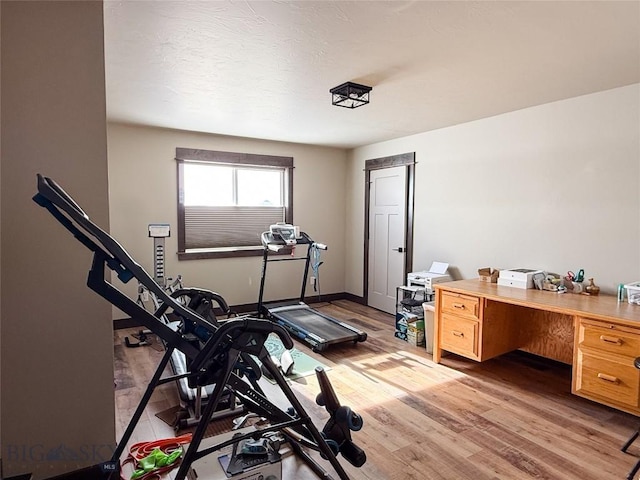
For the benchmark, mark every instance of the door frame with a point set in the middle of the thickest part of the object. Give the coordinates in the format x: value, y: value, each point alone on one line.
x: 409, y: 161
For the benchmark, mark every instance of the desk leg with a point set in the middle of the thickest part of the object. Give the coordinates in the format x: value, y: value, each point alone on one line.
x: 437, y: 351
x: 437, y: 354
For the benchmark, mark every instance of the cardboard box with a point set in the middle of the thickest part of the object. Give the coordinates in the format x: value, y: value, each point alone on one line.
x: 210, y: 469
x: 410, y: 328
x: 488, y: 275
x: 415, y: 333
x: 416, y: 338
x: 213, y: 466
x: 403, y: 319
x: 400, y: 335
x: 266, y: 471
x: 415, y: 326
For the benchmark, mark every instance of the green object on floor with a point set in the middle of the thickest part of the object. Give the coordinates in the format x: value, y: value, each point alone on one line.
x: 155, y: 460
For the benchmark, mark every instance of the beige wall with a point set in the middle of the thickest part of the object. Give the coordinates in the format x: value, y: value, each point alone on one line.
x: 57, y: 354
x: 555, y: 187
x: 143, y: 186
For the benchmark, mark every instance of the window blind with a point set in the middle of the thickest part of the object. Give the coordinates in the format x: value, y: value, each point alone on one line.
x: 230, y: 226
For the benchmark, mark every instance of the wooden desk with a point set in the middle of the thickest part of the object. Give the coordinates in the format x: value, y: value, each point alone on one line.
x: 598, y: 335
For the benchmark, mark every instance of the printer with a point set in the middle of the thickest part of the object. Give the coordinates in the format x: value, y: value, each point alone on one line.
x: 427, y: 279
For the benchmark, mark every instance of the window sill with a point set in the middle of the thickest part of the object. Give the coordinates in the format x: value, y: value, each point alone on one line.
x: 204, y: 253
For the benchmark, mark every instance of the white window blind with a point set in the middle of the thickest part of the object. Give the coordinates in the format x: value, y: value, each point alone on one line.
x: 228, y: 226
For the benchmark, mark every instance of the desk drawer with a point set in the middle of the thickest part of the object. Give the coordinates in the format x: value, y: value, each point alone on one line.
x: 461, y: 305
x: 459, y: 335
x: 609, y: 340
x: 613, y: 380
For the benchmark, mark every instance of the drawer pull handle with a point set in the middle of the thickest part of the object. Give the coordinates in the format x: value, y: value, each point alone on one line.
x: 459, y: 306
x: 608, y: 378
x: 457, y: 334
x: 612, y: 340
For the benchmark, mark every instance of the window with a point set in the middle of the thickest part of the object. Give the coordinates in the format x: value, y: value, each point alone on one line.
x: 226, y: 200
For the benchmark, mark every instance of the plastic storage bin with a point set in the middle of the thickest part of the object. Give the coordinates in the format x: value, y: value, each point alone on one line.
x: 429, y: 311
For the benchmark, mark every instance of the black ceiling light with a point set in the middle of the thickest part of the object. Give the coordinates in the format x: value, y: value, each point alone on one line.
x: 350, y: 95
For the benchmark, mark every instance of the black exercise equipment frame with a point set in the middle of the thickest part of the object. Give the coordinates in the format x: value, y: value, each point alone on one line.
x: 220, y: 358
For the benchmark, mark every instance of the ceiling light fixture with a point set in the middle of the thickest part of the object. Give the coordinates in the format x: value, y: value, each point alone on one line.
x: 350, y: 95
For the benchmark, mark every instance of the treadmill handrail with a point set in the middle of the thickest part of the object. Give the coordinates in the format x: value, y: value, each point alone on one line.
x: 272, y: 244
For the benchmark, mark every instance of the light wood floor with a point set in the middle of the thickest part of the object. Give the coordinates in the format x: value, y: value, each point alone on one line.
x: 509, y: 418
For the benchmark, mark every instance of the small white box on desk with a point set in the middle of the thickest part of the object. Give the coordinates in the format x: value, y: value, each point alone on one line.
x: 505, y: 282
x: 517, y: 277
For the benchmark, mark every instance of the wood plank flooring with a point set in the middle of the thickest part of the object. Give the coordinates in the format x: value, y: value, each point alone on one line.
x: 512, y: 417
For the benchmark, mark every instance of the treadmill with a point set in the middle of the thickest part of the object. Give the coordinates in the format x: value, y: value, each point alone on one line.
x: 316, y: 329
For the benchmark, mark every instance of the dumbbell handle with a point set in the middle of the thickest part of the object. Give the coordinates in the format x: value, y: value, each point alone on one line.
x: 329, y: 397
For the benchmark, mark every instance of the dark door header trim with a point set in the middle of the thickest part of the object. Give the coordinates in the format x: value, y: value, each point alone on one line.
x: 392, y: 161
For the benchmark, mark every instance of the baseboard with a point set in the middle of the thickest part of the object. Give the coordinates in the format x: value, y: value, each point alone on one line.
x: 354, y: 298
x: 121, y: 323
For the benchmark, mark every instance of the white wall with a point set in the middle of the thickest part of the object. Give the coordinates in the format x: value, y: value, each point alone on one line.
x: 143, y: 190
x: 555, y: 187
x: 57, y: 341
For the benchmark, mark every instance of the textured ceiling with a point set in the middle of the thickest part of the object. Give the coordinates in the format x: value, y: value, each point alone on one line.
x: 263, y: 69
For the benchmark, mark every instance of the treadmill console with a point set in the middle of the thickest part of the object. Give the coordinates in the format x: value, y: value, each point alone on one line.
x: 285, y: 231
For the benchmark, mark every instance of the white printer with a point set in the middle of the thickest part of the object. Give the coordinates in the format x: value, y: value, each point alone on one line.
x: 427, y: 279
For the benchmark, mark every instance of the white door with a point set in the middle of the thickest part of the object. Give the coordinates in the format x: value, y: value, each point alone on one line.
x: 387, y: 216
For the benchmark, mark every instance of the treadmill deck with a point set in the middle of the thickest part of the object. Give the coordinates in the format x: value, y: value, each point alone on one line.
x: 317, y: 329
